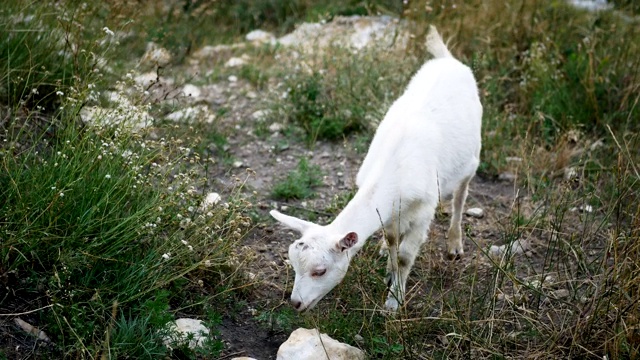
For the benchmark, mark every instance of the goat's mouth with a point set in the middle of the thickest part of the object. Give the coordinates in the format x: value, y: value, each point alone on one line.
x: 304, y: 308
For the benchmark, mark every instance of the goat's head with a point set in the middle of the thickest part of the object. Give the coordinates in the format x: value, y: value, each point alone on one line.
x: 319, y: 258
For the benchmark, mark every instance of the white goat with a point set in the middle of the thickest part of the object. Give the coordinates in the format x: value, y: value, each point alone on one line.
x: 426, y: 147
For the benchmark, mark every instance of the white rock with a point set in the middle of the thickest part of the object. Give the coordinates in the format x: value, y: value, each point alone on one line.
x: 156, y: 55
x: 309, y: 344
x: 127, y: 115
x: 506, y: 176
x: 183, y: 329
x: 260, y: 36
x: 210, y: 200
x: 32, y: 330
x: 355, y: 32
x: 570, y: 173
x: 191, y: 91
x: 235, y: 62
x: 276, y: 127
x: 591, y: 5
x: 212, y: 51
x: 516, y: 247
x: 260, y: 114
x: 147, y: 79
x: 475, y: 212
x: 237, y: 164
x: 233, y: 78
x: 192, y: 114
x: 583, y: 208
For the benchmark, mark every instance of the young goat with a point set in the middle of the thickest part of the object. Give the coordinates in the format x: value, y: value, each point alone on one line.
x: 426, y: 147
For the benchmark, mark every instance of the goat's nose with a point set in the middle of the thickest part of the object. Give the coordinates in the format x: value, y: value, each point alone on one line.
x: 296, y: 304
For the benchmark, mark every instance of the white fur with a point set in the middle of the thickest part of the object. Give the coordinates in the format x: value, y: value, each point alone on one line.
x: 426, y: 148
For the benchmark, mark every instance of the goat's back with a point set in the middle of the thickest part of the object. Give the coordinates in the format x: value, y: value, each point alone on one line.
x: 429, y: 139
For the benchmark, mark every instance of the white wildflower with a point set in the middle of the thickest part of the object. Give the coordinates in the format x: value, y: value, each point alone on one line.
x: 184, y: 242
x: 190, y: 247
x: 59, y: 93
x: 107, y: 176
x: 107, y: 31
x: 61, y: 194
x: 166, y: 256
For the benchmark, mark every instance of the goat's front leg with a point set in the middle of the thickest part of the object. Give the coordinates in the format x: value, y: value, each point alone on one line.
x: 401, y: 261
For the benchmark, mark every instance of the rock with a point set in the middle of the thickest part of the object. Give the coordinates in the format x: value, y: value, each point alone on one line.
x: 560, y: 293
x: 570, y: 173
x: 506, y: 176
x: 210, y: 200
x: 516, y: 247
x: 309, y: 344
x: 207, y: 52
x: 30, y: 329
x: 260, y: 114
x: 147, y: 79
x: 156, y: 55
x: 238, y: 164
x: 591, y: 5
x: 260, y: 36
x: 125, y: 114
x: 187, y: 330
x: 356, y: 32
x: 475, y: 212
x: 583, y: 209
x: 236, y: 61
x: 191, y: 91
x: 276, y: 127
x: 232, y: 78
x: 192, y: 114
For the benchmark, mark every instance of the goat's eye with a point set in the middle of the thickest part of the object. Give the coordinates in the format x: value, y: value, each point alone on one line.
x: 318, y: 272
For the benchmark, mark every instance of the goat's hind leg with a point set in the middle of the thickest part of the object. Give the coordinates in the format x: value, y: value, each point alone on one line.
x: 454, y: 238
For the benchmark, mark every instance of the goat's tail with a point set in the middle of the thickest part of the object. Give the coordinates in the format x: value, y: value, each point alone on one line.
x: 435, y: 45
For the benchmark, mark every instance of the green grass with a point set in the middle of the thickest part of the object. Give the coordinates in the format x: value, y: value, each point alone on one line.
x: 299, y: 183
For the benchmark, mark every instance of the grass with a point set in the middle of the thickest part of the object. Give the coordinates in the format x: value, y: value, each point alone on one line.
x: 88, y: 211
x: 299, y: 183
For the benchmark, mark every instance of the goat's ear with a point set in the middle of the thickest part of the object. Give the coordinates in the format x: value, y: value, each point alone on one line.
x: 347, y: 241
x: 291, y: 222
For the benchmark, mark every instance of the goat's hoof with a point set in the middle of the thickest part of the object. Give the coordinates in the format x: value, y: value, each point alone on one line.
x: 454, y: 256
x: 391, y: 275
x: 391, y: 304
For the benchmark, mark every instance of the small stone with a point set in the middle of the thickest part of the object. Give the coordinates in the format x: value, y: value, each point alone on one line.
x: 358, y: 338
x: 506, y: 176
x: 561, y: 293
x: 570, y: 173
x: 235, y: 62
x: 191, y: 91
x: 187, y: 330
x: 260, y: 36
x: 210, y: 200
x: 260, y: 114
x: 475, y: 212
x: 276, y: 127
x: 232, y: 78
x: 238, y: 164
x: 156, y: 55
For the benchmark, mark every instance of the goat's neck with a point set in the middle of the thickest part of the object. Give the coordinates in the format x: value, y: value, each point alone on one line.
x: 364, y: 214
